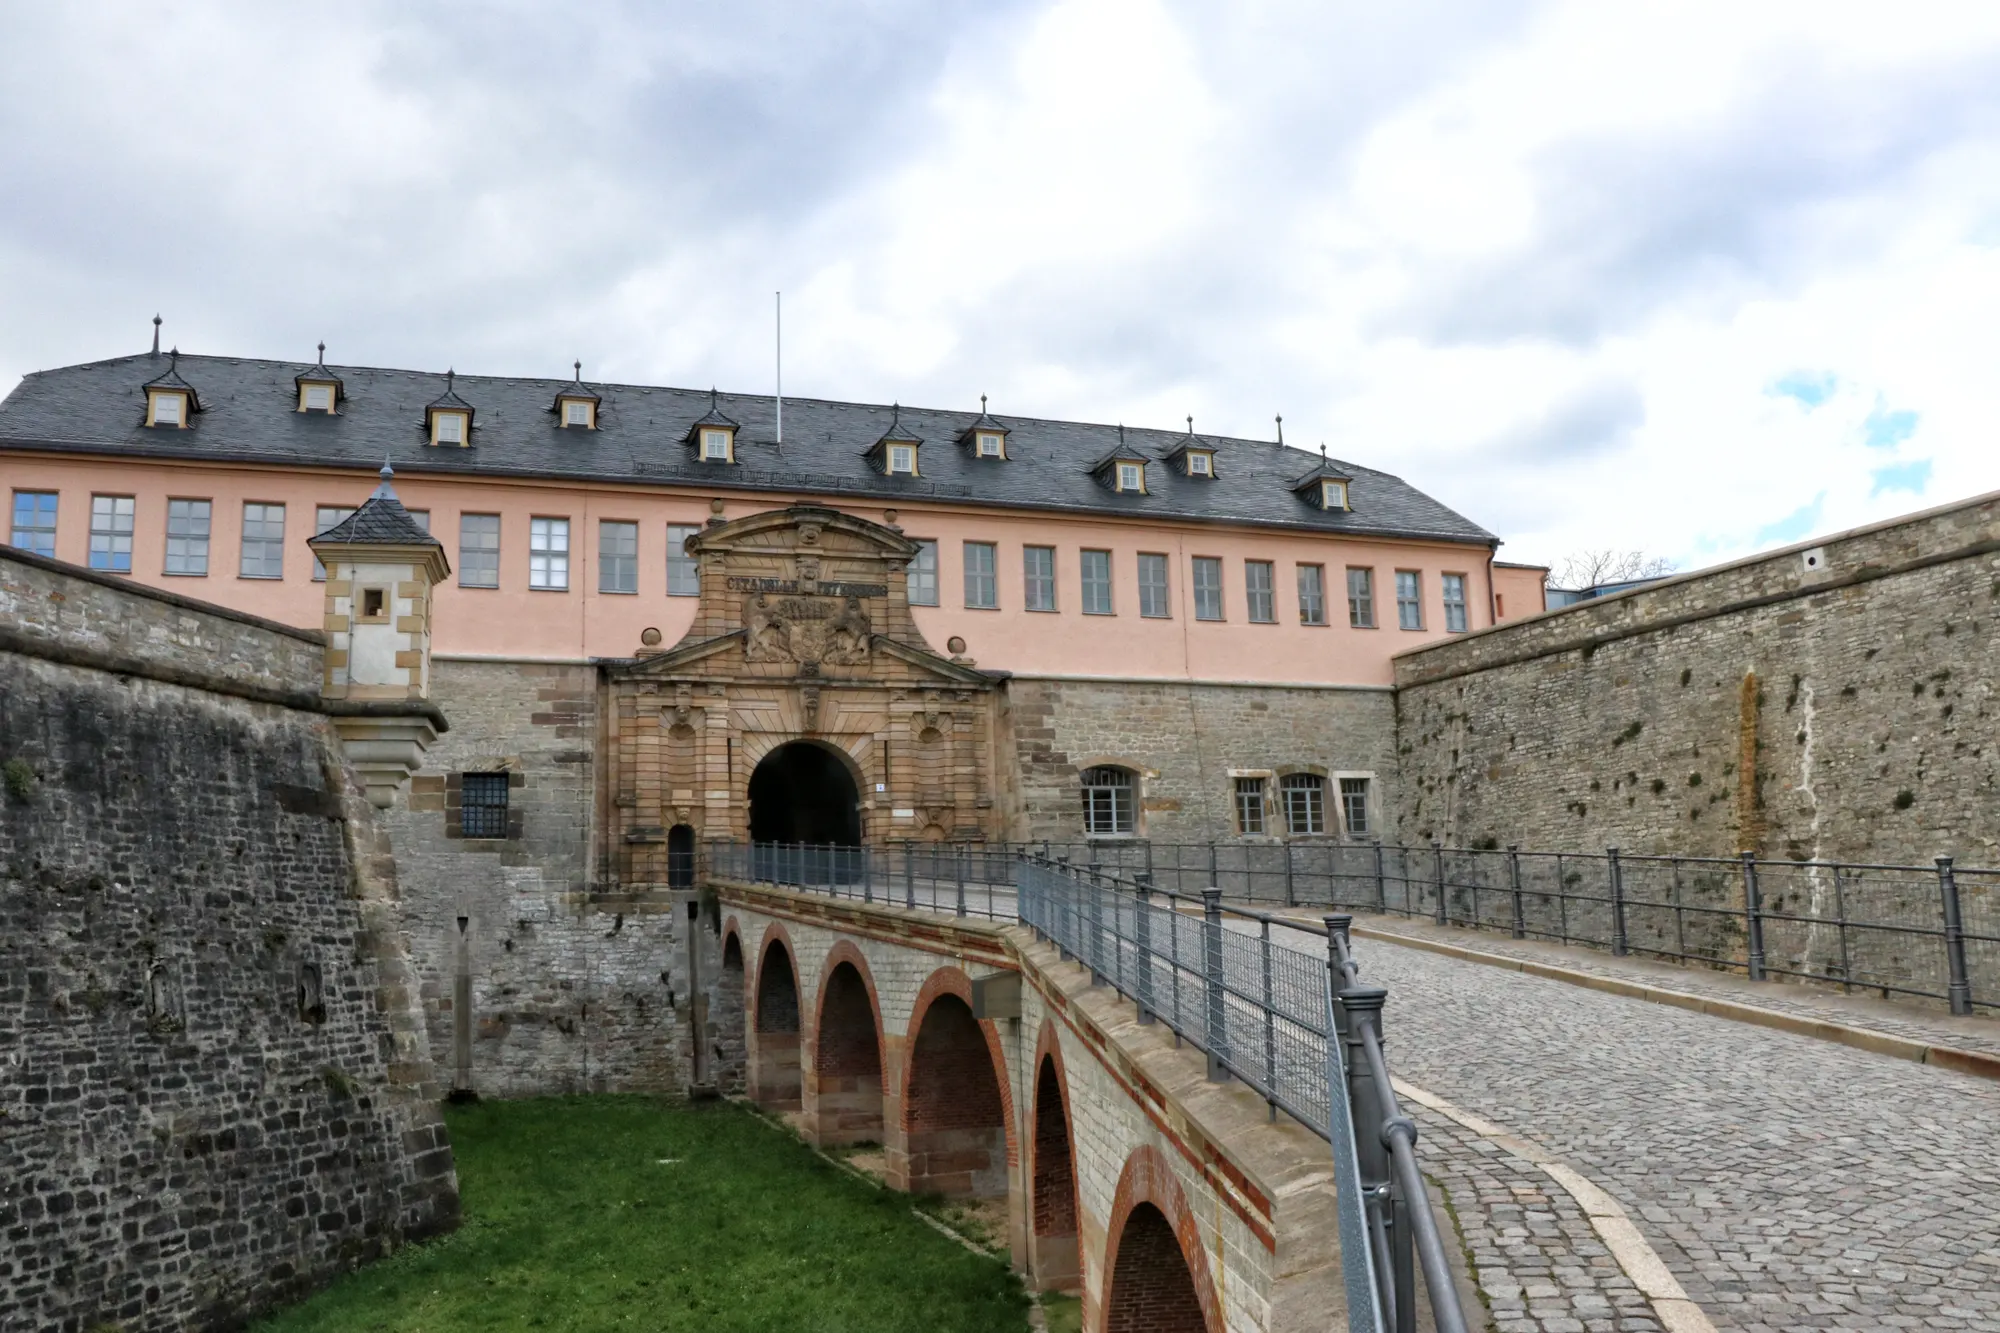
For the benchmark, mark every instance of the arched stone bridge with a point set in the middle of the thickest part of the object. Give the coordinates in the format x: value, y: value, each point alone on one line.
x: 1169, y: 1202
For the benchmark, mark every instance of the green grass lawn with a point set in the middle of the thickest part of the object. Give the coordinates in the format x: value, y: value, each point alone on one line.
x: 632, y: 1213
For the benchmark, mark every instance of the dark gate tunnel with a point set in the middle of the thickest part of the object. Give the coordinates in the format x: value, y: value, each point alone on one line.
x: 847, y: 1062
x: 778, y: 1069
x: 953, y: 1119
x: 803, y: 792
x: 1058, y: 1262
x: 1152, y: 1290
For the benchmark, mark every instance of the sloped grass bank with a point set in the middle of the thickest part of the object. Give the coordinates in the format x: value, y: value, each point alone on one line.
x: 586, y: 1213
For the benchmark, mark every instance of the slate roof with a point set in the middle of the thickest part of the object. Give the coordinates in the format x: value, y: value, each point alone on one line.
x: 250, y: 416
x: 380, y: 521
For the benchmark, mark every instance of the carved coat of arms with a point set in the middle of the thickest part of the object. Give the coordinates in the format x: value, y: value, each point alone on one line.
x: 805, y: 628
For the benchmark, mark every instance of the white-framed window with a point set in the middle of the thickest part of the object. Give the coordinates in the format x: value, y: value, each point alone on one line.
x: 1155, y: 599
x: 1333, y: 495
x: 992, y: 444
x: 1361, y: 598
x: 1094, y: 569
x: 617, y: 556
x: 922, y: 575
x: 1354, y: 807
x: 479, y: 550
x: 576, y: 413
x: 111, y: 532
x: 903, y: 459
x: 1107, y: 801
x: 1249, y: 805
x: 714, y: 445
x: 325, y: 518
x: 1409, y: 599
x: 1200, y: 464
x: 1304, y: 799
x: 1260, y: 598
x: 548, y: 554
x: 1131, y: 477
x: 319, y: 398
x: 1207, y: 587
x: 1312, y: 594
x: 982, y: 578
x: 448, y: 428
x: 1454, y: 602
x: 683, y: 570
x: 1038, y: 578
x: 420, y: 517
x: 168, y: 407
x: 34, y: 522
x: 263, y: 541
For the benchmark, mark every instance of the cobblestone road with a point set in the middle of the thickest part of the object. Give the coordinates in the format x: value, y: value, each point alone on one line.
x: 1787, y: 1183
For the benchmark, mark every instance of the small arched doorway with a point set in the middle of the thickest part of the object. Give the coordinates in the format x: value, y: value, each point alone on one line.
x: 803, y: 792
x: 1152, y: 1290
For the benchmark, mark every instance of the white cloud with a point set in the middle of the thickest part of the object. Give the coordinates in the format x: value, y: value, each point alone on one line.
x: 1546, y: 260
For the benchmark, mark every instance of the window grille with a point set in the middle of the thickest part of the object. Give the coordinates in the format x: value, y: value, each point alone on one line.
x: 1207, y: 587
x: 982, y: 581
x: 1454, y: 603
x: 1409, y: 599
x: 1107, y: 801
x: 479, y: 551
x: 1258, y: 593
x: 1249, y: 805
x: 263, y: 541
x: 111, y: 533
x: 1354, y: 806
x: 1038, y: 578
x: 1095, y: 570
x: 482, y: 808
x: 617, y: 556
x: 1305, y: 803
x: 1361, y: 598
x: 187, y: 536
x: 35, y: 522
x: 1155, y: 600
x: 1312, y: 595
x: 683, y: 570
x: 922, y: 575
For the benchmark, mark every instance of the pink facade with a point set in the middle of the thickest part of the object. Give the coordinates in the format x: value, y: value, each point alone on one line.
x: 580, y: 622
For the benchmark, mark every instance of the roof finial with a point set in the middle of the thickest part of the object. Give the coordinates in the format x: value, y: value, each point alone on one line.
x: 1322, y: 453
x: 450, y: 379
x: 579, y: 371
x: 1281, y: 428
x: 384, y: 491
x: 1190, y: 423
x: 156, y: 335
x: 982, y: 404
x: 322, y: 353
x: 387, y: 472
x: 714, y: 404
x: 174, y: 358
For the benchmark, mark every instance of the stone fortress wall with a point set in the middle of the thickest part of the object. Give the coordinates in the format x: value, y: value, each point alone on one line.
x: 215, y: 1087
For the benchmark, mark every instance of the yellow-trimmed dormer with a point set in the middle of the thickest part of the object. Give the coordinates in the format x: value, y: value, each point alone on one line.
x: 986, y: 438
x: 576, y: 405
x: 448, y: 418
x: 171, y: 401
x: 895, y: 454
x: 320, y: 390
x: 713, y: 434
x: 1326, y: 487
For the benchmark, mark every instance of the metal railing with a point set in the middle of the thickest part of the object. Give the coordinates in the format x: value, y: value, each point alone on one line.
x: 1297, y: 1027
x: 1928, y: 932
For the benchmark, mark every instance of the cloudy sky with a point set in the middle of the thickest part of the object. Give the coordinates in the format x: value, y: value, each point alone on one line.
x: 1698, y: 278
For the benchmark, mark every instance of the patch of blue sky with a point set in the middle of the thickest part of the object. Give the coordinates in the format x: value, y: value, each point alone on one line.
x: 1809, y: 388
x: 1793, y: 526
x: 1912, y: 476
x: 1885, y: 429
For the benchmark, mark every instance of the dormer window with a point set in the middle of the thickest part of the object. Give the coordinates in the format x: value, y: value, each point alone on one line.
x: 319, y: 388
x: 986, y: 437
x: 576, y: 405
x: 449, y: 428
x: 1200, y: 463
x: 448, y: 418
x: 316, y: 398
x: 903, y: 459
x: 895, y: 454
x: 577, y: 413
x: 992, y: 444
x: 1325, y: 487
x: 166, y: 407
x: 1131, y: 477
x: 1332, y: 494
x: 716, y: 446
x: 713, y: 435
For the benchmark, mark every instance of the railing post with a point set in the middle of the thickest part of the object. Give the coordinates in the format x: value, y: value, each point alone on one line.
x: 1142, y: 930
x: 1270, y: 1028
x: 1437, y: 865
x: 1291, y: 898
x: 1381, y: 882
x: 958, y: 873
x: 1218, y: 1008
x: 1753, y: 918
x: 1362, y: 1006
x: 1959, y: 989
x: 909, y: 877
x: 1617, y: 874
x: 1514, y: 886
x: 1094, y: 957
x: 1213, y: 878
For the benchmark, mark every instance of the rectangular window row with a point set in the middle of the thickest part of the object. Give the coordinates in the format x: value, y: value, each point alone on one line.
x: 1301, y: 805
x: 1260, y: 587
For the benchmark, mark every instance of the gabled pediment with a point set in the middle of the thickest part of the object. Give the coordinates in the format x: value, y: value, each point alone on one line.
x: 802, y: 527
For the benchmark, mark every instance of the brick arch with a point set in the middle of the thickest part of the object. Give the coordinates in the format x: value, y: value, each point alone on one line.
x: 1147, y: 1189
x: 953, y: 1154
x: 774, y: 1050
x: 1055, y: 1235
x: 731, y: 1015
x: 758, y: 745
x: 849, y: 1082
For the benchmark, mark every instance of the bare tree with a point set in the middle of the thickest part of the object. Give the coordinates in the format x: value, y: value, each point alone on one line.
x: 1592, y: 569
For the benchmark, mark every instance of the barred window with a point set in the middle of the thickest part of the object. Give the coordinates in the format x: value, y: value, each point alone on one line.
x: 1154, y: 600
x: 1038, y: 578
x: 1305, y: 802
x: 683, y: 573
x: 1454, y: 603
x: 1207, y: 587
x: 187, y: 536
x: 1095, y: 570
x: 1312, y: 595
x: 35, y: 522
x: 1361, y: 598
x: 617, y: 556
x: 1354, y: 806
x: 263, y: 541
x: 1258, y: 593
x: 479, y: 550
x: 482, y: 809
x: 982, y: 580
x: 922, y: 575
x: 1249, y: 805
x: 1107, y: 801
x: 111, y: 533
